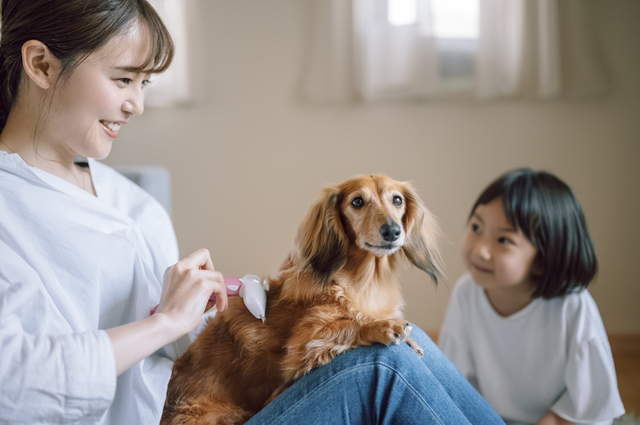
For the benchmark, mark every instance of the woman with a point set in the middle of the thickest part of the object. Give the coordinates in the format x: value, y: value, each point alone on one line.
x: 85, y: 254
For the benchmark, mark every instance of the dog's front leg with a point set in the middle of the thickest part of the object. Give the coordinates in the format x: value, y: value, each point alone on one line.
x: 318, y: 338
x: 387, y: 332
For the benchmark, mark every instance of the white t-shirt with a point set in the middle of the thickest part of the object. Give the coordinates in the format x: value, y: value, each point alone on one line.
x: 71, y: 266
x: 551, y: 355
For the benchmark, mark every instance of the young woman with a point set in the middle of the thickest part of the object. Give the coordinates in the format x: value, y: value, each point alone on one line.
x: 85, y: 254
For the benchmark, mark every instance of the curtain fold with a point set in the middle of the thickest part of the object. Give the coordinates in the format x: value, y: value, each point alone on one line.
x: 526, y: 49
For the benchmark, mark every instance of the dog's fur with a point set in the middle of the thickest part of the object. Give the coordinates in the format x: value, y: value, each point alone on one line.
x: 336, y: 291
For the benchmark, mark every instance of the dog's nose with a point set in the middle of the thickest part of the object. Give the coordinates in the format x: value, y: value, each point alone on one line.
x: 390, y: 232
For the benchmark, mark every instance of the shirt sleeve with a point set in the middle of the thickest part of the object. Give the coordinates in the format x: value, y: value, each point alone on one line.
x: 57, y: 378
x: 592, y: 390
x: 453, y: 340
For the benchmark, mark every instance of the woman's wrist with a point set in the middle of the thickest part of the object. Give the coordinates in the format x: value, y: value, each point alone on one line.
x: 134, y: 341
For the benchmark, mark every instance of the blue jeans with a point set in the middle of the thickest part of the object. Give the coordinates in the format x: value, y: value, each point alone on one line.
x: 382, y: 385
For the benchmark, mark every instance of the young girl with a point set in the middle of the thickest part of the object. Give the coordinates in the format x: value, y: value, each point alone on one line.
x: 85, y: 254
x: 521, y: 325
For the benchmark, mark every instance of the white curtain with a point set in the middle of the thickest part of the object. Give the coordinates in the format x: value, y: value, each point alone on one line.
x: 173, y: 87
x: 541, y: 49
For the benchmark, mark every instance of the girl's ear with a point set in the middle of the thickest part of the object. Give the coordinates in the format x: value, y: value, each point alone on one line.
x: 321, y: 242
x: 40, y: 65
x: 422, y: 232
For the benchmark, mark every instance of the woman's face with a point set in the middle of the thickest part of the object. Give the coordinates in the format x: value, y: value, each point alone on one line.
x: 99, y: 96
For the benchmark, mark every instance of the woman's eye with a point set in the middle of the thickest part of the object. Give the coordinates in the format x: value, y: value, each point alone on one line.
x: 357, y: 202
x: 125, y: 80
x: 397, y: 201
x: 504, y: 240
x: 146, y: 83
x: 475, y: 228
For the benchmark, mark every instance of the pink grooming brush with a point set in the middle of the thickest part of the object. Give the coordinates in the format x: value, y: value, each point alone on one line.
x: 251, y: 289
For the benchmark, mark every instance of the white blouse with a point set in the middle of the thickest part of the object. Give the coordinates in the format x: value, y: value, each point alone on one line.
x: 551, y: 355
x: 71, y: 266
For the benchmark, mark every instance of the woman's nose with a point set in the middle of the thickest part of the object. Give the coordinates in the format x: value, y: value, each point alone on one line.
x: 134, y: 105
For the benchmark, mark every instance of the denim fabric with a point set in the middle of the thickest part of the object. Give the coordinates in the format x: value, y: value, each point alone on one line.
x: 382, y: 385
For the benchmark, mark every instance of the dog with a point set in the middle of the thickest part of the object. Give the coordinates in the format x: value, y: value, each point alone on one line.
x: 336, y: 291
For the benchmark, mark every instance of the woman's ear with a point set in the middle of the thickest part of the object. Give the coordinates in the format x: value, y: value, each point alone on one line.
x: 321, y: 242
x: 421, y: 247
x: 40, y: 65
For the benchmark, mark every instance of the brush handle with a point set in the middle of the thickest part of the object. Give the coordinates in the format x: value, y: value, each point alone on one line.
x: 233, y: 285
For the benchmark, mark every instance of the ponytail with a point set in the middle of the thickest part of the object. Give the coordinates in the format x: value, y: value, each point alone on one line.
x: 4, y: 111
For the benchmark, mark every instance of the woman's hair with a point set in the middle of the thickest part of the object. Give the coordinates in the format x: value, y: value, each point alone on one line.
x: 549, y: 215
x: 72, y: 30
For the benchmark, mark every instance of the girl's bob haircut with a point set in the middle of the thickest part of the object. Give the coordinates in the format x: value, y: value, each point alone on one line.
x: 549, y: 215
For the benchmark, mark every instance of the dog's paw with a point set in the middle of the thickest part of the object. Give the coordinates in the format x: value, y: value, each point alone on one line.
x: 415, y: 347
x: 388, y: 332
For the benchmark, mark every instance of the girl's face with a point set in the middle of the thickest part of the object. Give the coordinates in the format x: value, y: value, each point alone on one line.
x: 99, y: 96
x: 496, y: 254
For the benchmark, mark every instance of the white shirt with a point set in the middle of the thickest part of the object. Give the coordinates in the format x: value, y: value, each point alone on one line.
x: 551, y: 355
x: 71, y: 266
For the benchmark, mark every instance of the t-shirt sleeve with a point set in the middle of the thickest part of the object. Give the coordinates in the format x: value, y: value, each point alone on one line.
x: 453, y: 340
x: 45, y: 378
x: 592, y: 389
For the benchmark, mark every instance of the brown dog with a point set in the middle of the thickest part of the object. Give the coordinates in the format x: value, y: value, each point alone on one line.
x: 337, y: 291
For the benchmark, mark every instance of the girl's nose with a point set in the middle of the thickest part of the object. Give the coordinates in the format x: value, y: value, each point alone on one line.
x: 482, y: 250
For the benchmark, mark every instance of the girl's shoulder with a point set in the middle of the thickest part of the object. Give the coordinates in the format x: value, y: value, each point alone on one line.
x: 581, y: 316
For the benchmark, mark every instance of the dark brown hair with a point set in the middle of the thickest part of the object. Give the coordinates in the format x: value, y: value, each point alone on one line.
x: 72, y: 30
x: 549, y: 215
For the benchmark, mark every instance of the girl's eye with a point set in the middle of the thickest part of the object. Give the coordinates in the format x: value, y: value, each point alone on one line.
x: 125, y: 80
x: 397, y: 201
x: 504, y: 240
x: 146, y: 83
x: 475, y: 228
x: 357, y: 202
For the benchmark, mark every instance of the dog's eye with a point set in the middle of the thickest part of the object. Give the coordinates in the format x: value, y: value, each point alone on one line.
x: 397, y: 201
x: 357, y: 202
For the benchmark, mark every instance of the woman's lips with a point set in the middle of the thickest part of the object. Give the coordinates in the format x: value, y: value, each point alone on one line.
x: 111, y: 128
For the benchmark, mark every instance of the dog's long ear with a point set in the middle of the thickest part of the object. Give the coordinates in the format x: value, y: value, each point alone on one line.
x: 321, y: 242
x: 422, y: 231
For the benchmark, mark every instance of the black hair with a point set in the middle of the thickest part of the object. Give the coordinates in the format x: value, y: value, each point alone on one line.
x: 72, y: 30
x: 549, y: 215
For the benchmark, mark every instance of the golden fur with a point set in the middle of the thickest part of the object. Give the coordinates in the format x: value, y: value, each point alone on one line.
x: 336, y: 291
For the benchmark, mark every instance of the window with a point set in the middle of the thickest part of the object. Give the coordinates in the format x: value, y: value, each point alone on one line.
x: 455, y: 26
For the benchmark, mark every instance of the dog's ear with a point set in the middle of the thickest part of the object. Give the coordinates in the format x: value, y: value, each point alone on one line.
x: 321, y: 242
x: 422, y: 232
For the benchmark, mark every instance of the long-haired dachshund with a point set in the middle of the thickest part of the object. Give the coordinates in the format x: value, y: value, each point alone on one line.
x: 336, y: 291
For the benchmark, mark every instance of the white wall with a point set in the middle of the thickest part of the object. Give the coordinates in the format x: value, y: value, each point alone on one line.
x: 249, y: 158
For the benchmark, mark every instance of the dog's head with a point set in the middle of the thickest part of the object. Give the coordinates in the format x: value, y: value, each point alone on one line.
x: 373, y: 213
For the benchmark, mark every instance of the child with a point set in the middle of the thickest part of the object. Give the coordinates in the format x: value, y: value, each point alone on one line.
x: 85, y: 253
x: 521, y: 326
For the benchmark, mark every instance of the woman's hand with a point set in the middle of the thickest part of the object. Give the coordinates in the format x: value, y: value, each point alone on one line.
x: 553, y: 419
x: 186, y: 289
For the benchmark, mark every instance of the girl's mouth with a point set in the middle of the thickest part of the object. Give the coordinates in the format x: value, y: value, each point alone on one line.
x: 481, y: 269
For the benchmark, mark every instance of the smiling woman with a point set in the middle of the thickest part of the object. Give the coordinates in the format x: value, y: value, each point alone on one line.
x: 91, y: 73
x: 85, y: 253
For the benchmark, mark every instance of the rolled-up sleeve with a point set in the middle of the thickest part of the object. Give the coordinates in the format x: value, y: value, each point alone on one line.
x: 53, y: 378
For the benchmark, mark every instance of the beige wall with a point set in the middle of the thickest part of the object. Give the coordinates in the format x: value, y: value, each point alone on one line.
x: 249, y: 158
